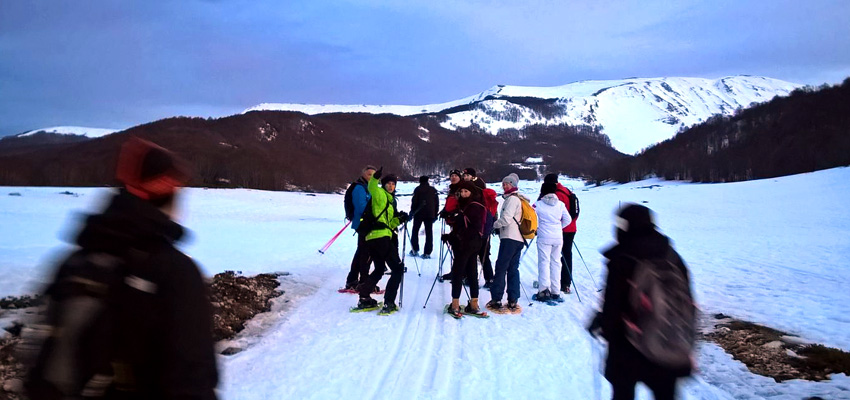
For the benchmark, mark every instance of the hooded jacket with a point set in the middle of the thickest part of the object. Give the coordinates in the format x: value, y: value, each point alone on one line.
x: 425, y: 202
x: 360, y: 197
x: 624, y: 361
x: 564, y: 195
x: 552, y: 217
x: 163, y: 326
x: 384, y: 209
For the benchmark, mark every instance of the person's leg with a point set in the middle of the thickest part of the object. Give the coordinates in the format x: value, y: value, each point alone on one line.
x: 567, y: 252
x: 497, y: 290
x: 414, y: 235
x: 361, y: 256
x: 472, y: 269
x: 623, y: 390
x: 377, y: 252
x: 397, y: 271
x: 462, y: 256
x: 429, y: 236
x: 486, y: 265
x: 554, y: 269
x: 543, y: 252
x: 663, y: 389
x: 513, y: 271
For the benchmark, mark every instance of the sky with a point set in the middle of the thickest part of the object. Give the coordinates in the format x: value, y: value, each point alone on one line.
x: 116, y: 64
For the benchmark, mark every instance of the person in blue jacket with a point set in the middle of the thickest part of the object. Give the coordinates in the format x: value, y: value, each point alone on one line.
x: 359, y: 198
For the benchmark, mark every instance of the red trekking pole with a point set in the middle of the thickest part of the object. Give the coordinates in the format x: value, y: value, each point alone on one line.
x: 333, y: 239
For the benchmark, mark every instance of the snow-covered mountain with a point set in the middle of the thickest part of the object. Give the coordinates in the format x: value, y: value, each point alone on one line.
x: 635, y: 113
x: 72, y: 130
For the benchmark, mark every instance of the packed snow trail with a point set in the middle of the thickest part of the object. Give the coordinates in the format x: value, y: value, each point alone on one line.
x: 773, y: 251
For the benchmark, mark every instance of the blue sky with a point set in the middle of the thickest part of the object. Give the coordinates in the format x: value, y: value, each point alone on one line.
x: 115, y: 64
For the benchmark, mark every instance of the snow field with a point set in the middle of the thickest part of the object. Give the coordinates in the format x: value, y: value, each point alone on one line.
x: 772, y: 251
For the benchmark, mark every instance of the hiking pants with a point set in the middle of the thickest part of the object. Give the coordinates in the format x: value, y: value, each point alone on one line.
x: 429, y: 235
x: 466, y: 266
x: 360, y: 262
x: 662, y: 389
x: 384, y: 252
x: 567, y: 252
x: 484, y: 256
x: 507, y: 266
x: 549, y: 267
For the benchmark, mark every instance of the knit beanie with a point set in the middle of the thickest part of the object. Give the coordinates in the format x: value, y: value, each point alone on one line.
x: 548, y: 187
x: 469, y: 171
x: 423, y: 180
x: 512, y: 179
x: 550, y: 178
x: 389, y: 178
x: 150, y: 172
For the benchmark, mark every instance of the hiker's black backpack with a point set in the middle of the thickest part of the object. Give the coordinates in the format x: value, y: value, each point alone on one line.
x: 349, y: 201
x: 79, y: 343
x: 370, y: 221
x: 573, y: 209
x: 661, y: 321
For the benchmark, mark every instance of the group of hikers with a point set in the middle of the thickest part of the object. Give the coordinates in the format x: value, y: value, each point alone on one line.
x: 648, y: 314
x: 128, y: 315
x: 472, y: 214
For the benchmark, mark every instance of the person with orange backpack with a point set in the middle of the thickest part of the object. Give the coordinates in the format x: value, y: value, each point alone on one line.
x: 510, y: 249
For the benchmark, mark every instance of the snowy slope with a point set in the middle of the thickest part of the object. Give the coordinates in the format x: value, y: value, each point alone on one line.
x: 635, y: 113
x: 750, y: 257
x: 73, y: 130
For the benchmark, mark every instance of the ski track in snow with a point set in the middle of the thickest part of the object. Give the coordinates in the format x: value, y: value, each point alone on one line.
x: 772, y: 251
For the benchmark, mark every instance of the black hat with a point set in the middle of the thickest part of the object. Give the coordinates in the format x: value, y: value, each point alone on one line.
x: 389, y: 178
x: 550, y: 178
x: 547, y: 188
x: 456, y: 172
x: 423, y: 179
x: 469, y: 171
x: 634, y: 218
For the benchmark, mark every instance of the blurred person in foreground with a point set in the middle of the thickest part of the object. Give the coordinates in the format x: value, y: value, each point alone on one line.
x: 128, y: 315
x: 648, y: 316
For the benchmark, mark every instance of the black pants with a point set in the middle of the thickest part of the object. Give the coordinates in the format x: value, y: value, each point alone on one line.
x: 429, y: 235
x: 360, y: 262
x: 384, y: 252
x: 567, y: 252
x: 662, y: 389
x: 466, y: 266
x: 484, y: 256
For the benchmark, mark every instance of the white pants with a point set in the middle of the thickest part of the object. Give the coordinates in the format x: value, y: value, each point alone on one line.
x: 549, y: 267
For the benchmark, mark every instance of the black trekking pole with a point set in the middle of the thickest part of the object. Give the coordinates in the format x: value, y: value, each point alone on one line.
x: 435, y: 280
x: 586, y: 268
x: 564, y: 265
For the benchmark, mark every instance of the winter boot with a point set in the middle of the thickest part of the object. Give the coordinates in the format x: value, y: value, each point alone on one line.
x: 413, y: 253
x: 496, y: 307
x: 426, y: 256
x: 543, y: 296
x: 367, y: 302
x: 388, y: 309
x: 453, y: 309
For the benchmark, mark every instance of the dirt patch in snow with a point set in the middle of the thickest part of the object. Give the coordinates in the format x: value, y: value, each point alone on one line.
x: 235, y: 300
x: 776, y: 354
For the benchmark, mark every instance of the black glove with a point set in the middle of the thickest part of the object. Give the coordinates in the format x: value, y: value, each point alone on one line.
x: 443, y: 214
x: 496, y: 232
x: 445, y: 237
x: 595, y: 327
x: 378, y: 173
x: 403, y: 217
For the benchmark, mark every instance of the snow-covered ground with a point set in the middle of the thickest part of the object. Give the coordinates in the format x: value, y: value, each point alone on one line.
x: 771, y: 251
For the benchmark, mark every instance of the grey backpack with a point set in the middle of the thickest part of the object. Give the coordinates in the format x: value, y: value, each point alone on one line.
x: 662, y: 320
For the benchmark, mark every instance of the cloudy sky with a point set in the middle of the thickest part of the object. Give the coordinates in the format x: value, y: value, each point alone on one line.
x: 115, y: 64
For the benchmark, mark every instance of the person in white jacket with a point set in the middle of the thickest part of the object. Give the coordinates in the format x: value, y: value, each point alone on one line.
x: 552, y: 217
x: 510, y: 249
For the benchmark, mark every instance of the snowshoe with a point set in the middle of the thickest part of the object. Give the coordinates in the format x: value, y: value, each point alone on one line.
x: 413, y: 253
x: 388, y: 309
x: 366, y: 304
x: 496, y: 307
x: 347, y: 290
x: 557, y: 298
x: 544, y: 297
x: 514, y: 308
x: 426, y: 256
x: 468, y: 310
x: 456, y: 314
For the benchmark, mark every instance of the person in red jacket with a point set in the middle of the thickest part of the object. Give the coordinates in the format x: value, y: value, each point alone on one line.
x: 551, y: 185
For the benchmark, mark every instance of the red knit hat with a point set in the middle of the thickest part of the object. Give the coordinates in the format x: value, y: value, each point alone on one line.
x: 148, y: 171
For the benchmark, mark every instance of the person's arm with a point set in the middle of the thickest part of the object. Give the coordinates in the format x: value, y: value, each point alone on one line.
x: 509, y: 213
x: 379, y: 196
x: 616, y: 290
x: 435, y: 199
x: 414, y: 203
x: 360, y: 198
x: 566, y: 220
x: 192, y: 372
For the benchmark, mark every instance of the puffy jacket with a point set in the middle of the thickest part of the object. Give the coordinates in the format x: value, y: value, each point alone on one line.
x: 564, y: 195
x: 360, y: 197
x: 470, y: 222
x: 509, y: 215
x: 552, y: 217
x: 381, y: 199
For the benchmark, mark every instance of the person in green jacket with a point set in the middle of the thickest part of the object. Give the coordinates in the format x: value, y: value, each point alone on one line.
x: 382, y: 242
